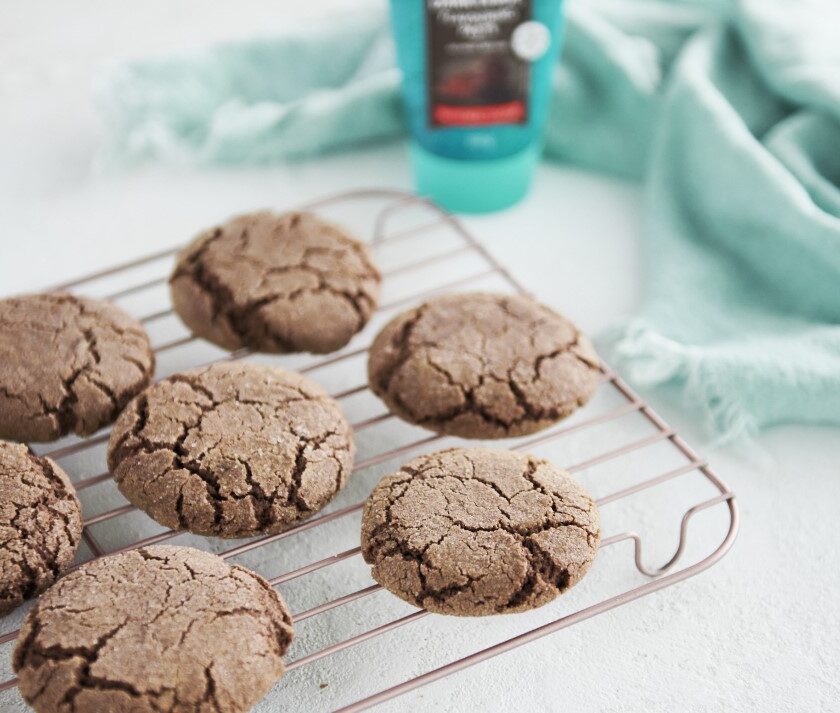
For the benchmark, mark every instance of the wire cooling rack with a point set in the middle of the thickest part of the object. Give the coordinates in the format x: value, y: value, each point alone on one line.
x: 644, y: 475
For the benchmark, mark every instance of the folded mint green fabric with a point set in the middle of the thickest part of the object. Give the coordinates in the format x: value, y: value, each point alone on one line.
x: 729, y: 112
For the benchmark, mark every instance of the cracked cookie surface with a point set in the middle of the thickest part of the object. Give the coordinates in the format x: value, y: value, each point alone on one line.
x: 474, y: 531
x: 67, y: 364
x: 275, y: 283
x: 231, y: 450
x: 155, y: 629
x: 482, y: 365
x: 40, y: 524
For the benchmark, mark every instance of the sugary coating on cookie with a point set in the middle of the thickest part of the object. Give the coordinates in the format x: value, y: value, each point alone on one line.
x: 478, y: 531
x: 482, y: 366
x: 276, y: 283
x: 154, y: 629
x: 231, y: 450
x: 67, y: 364
x: 40, y: 524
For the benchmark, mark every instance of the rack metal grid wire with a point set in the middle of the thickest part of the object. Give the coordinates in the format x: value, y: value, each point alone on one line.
x: 383, y: 206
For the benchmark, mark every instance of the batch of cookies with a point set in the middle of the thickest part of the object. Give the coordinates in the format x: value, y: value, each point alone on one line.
x: 237, y: 449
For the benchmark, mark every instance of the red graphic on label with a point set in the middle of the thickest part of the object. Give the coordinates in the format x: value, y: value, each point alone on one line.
x: 508, y: 113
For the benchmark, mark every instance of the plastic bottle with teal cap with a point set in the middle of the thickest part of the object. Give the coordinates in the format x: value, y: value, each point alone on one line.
x: 476, y: 90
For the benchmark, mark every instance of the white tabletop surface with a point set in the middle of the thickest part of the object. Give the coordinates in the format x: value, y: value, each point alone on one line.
x: 758, y: 631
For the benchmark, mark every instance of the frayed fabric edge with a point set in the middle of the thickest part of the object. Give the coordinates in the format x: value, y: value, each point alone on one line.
x: 649, y: 359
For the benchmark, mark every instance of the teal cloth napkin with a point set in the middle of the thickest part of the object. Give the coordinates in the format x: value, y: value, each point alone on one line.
x: 728, y: 111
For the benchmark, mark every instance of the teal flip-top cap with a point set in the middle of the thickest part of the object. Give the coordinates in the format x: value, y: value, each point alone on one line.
x: 474, y: 186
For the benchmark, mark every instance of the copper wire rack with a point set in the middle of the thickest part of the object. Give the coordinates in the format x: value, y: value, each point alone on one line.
x: 629, y: 457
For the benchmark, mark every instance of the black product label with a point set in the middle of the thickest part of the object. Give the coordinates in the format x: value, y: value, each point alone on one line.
x: 474, y: 76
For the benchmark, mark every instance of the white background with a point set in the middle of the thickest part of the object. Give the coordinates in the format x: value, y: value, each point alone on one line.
x: 759, y: 631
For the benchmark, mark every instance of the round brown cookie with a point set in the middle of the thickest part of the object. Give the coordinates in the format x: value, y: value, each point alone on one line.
x: 275, y: 283
x: 231, y: 450
x: 40, y: 524
x: 473, y: 531
x: 154, y: 629
x: 482, y: 366
x: 67, y: 364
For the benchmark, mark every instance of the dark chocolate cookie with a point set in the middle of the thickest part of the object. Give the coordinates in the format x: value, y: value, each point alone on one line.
x: 231, y: 450
x: 482, y: 366
x: 40, y: 524
x: 67, y: 364
x: 154, y: 629
x: 478, y: 531
x: 276, y: 283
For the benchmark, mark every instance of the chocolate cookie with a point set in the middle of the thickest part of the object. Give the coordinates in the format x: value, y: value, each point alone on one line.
x: 155, y: 629
x: 67, y: 364
x: 231, y: 450
x: 275, y: 283
x: 478, y: 531
x: 482, y: 366
x: 40, y: 524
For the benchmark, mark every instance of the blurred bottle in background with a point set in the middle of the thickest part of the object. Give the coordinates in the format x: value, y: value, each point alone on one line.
x: 476, y: 82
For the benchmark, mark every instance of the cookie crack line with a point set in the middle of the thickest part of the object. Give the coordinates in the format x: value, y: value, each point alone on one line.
x: 76, y: 666
x: 530, y: 411
x: 220, y: 295
x: 30, y: 651
x: 543, y: 574
x: 183, y: 460
x: 297, y: 478
x: 67, y: 418
x: 322, y: 276
x: 244, y: 311
x: 254, y: 478
x: 346, y: 244
x: 41, y: 523
x: 505, y: 522
x: 540, y: 566
x: 180, y: 456
x: 401, y: 341
x: 236, y: 315
x: 262, y: 500
x: 58, y: 395
x: 470, y: 405
x: 494, y: 383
